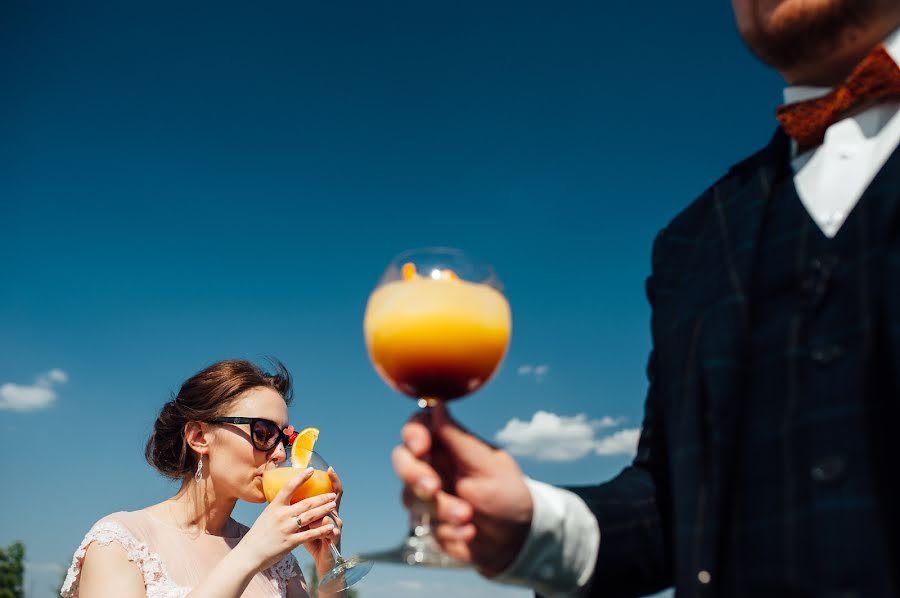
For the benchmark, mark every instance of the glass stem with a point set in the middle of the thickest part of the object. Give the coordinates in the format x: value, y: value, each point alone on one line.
x: 422, y: 511
x: 335, y: 554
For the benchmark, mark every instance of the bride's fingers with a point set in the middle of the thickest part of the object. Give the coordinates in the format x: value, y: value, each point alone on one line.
x: 338, y: 525
x: 284, y: 495
x: 302, y: 536
x: 336, y: 485
x: 335, y: 519
x: 311, y: 503
x: 307, y: 518
x: 332, y: 520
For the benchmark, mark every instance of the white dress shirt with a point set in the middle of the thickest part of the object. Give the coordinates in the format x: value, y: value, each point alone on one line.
x: 832, y: 177
x: 560, y: 553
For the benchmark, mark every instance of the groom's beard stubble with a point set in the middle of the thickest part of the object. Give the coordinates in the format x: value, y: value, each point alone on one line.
x: 808, y: 32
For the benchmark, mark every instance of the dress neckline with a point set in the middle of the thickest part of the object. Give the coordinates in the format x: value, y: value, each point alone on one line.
x: 159, y: 521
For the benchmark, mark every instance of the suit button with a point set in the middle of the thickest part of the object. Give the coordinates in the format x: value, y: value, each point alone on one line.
x: 816, y: 283
x: 829, y: 469
x: 704, y: 577
x: 825, y: 355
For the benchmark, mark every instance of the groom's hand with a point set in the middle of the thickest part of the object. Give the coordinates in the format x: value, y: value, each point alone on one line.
x: 483, y: 506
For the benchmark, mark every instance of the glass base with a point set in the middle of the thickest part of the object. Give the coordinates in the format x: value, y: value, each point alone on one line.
x: 421, y: 550
x: 345, y: 574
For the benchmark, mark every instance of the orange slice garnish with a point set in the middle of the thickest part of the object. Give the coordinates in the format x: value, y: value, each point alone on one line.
x: 408, y: 270
x: 303, y: 444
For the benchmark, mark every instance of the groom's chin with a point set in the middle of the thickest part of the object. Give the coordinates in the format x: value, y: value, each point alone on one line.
x: 786, y: 34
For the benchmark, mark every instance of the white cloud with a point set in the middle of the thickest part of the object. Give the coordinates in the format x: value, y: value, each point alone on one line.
x: 537, y: 371
x: 623, y: 442
x: 25, y: 398
x: 40, y: 395
x: 56, y: 375
x: 548, y: 437
x: 551, y: 437
x: 608, y: 422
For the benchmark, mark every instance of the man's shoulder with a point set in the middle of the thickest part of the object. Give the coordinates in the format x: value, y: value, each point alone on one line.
x: 690, y: 222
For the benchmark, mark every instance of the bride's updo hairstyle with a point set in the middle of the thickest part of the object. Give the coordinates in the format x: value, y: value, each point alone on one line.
x: 205, y: 395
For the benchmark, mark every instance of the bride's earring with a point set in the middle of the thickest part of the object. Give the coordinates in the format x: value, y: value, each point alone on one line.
x: 199, y: 475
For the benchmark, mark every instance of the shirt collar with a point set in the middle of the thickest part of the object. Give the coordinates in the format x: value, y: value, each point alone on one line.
x: 801, y: 93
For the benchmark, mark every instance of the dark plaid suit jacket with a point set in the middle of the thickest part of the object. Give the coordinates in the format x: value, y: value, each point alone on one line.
x: 663, y: 519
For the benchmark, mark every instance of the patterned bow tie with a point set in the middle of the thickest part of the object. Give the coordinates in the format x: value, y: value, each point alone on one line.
x: 877, y: 77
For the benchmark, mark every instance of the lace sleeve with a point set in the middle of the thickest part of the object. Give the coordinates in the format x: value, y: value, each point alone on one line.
x: 156, y: 579
x: 284, y: 570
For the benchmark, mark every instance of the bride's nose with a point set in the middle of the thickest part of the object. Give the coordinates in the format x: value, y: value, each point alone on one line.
x: 278, y: 455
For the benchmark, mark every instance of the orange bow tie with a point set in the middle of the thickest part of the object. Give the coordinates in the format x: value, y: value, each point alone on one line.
x: 877, y: 77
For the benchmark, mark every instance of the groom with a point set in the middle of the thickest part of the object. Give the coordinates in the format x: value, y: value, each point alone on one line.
x: 767, y: 465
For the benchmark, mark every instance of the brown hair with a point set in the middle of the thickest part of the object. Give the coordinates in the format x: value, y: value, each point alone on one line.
x: 203, y: 396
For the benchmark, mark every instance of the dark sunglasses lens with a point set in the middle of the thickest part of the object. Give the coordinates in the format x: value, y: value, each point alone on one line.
x: 265, y: 435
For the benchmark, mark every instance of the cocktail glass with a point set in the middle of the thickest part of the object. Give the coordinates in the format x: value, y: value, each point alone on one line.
x: 437, y: 327
x: 345, y: 572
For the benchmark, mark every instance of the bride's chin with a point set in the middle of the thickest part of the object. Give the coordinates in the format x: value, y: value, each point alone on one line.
x: 254, y: 495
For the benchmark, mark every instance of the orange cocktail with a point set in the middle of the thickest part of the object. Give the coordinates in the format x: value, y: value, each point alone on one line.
x: 437, y: 336
x: 437, y: 327
x: 274, y: 479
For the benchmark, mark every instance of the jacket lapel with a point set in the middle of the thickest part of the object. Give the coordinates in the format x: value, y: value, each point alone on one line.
x: 739, y: 203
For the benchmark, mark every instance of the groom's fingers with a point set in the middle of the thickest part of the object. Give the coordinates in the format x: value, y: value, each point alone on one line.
x: 417, y: 475
x: 446, y: 532
x: 466, y: 449
x: 460, y: 549
x: 447, y: 507
x: 416, y: 438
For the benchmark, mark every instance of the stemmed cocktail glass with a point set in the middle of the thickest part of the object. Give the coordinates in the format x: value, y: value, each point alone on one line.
x: 437, y: 327
x: 345, y: 572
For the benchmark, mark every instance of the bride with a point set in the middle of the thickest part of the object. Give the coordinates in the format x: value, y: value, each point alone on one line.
x: 189, y: 545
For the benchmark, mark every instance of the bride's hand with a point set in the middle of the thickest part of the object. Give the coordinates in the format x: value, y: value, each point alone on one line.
x: 281, y: 526
x: 318, y: 547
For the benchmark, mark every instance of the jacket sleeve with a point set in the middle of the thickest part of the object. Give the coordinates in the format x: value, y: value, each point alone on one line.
x: 633, y: 509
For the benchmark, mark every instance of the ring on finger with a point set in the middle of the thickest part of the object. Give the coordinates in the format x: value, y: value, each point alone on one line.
x: 300, y: 522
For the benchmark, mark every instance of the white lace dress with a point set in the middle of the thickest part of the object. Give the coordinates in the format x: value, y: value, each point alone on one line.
x: 172, y: 560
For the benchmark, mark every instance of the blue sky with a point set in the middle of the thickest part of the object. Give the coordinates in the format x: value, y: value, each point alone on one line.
x: 183, y: 184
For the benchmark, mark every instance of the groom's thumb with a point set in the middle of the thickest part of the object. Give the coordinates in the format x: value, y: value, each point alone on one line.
x: 466, y: 449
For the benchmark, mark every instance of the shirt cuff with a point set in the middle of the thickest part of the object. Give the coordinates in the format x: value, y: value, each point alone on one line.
x: 560, y: 552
